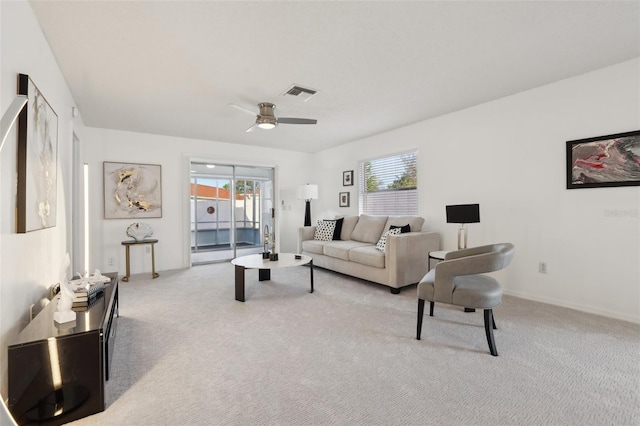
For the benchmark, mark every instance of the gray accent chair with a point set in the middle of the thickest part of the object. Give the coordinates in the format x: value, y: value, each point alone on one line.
x: 459, y: 280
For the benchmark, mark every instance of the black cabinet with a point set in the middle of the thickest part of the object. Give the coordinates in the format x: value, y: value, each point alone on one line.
x: 57, y: 371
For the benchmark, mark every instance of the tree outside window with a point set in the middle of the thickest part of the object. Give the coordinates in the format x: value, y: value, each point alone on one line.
x: 388, y: 186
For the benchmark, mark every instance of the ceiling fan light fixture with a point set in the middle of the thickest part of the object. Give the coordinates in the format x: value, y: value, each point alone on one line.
x: 266, y: 119
x: 266, y: 122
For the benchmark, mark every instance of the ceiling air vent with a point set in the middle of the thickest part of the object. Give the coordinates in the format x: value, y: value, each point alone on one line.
x: 302, y: 93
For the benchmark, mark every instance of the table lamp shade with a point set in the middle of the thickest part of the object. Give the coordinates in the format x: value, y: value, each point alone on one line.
x: 463, y: 213
x: 308, y: 192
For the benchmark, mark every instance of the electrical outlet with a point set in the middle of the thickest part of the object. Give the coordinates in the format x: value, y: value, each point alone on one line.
x: 542, y: 267
x: 111, y: 261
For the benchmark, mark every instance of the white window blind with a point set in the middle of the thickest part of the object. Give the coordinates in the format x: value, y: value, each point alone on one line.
x: 389, y: 185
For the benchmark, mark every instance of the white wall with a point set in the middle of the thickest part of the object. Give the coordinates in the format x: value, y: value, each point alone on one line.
x: 172, y: 230
x: 29, y: 263
x: 509, y: 156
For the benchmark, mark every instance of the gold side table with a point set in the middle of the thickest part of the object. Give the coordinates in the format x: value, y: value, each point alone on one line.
x: 127, y: 244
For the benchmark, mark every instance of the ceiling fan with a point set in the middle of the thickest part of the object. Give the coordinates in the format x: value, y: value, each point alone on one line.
x: 266, y: 119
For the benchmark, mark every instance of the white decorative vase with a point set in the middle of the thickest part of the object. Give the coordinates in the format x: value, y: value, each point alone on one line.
x: 139, y: 231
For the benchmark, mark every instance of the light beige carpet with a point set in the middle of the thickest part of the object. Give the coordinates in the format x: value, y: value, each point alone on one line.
x: 187, y: 353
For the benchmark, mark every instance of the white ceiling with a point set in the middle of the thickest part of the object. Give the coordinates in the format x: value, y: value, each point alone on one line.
x: 172, y: 67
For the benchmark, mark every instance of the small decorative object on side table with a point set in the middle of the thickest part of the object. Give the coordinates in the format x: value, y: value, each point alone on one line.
x: 139, y: 231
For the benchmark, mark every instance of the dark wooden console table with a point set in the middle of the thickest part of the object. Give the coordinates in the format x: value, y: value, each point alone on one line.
x: 130, y: 243
x: 57, y: 371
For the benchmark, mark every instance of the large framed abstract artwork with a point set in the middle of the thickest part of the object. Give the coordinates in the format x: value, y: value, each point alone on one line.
x: 132, y: 190
x: 604, y: 161
x: 37, y: 189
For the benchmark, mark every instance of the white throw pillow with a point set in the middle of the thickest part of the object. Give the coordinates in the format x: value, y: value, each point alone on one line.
x: 382, y: 243
x: 324, y: 230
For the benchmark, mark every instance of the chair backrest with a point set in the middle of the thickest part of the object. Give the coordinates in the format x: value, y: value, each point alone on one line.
x: 482, y: 259
x: 499, y: 256
x: 475, y: 260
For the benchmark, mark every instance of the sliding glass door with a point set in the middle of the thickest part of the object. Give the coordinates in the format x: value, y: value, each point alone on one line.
x: 230, y: 208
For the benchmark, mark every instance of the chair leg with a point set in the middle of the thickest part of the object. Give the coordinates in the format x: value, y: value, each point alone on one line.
x: 420, y: 315
x: 431, y: 304
x: 488, y: 328
x: 493, y: 321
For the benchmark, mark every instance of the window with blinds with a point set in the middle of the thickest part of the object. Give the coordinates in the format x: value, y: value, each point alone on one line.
x: 389, y: 186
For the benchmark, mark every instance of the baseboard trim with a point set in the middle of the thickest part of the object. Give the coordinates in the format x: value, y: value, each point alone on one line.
x: 577, y: 307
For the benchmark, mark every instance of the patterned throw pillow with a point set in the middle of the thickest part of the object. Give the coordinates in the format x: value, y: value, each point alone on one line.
x: 324, y: 230
x: 403, y: 228
x: 382, y: 243
x: 337, y: 228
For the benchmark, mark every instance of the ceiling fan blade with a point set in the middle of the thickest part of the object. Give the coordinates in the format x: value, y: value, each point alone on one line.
x: 290, y: 120
x: 252, y: 128
x: 241, y: 108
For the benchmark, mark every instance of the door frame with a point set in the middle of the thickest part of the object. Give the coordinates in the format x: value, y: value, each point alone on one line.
x: 188, y: 158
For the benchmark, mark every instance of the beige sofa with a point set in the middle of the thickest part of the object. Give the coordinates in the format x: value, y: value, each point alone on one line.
x: 404, y: 261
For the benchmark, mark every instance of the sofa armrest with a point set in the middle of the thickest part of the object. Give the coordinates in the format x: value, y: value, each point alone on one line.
x: 407, y: 256
x: 305, y: 233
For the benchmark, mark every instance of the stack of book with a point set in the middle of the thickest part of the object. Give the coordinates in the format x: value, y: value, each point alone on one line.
x: 84, y: 298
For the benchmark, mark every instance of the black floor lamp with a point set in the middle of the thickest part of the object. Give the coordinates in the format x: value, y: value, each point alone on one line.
x: 307, y: 193
x: 463, y: 214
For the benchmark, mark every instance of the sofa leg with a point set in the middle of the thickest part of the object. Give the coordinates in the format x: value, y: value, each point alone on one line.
x: 394, y: 290
x: 420, y: 315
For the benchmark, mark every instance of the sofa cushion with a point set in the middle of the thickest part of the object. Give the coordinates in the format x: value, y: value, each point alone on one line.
x: 324, y: 230
x: 382, y: 242
x: 348, y: 223
x: 415, y: 222
x: 314, y: 246
x: 369, y: 228
x: 340, y: 249
x: 367, y: 255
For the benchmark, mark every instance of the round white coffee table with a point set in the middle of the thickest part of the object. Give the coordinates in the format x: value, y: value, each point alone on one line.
x: 264, y: 267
